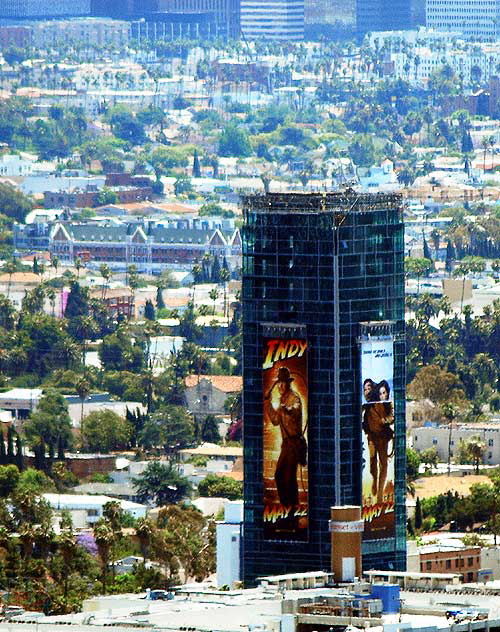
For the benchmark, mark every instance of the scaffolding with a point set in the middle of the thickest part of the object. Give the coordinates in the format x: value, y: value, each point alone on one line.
x: 336, y: 202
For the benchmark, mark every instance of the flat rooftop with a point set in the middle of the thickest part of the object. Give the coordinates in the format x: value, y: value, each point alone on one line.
x: 205, y: 609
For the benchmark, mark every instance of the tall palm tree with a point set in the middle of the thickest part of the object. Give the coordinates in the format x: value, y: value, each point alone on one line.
x: 104, y: 539
x: 144, y: 529
x: 78, y: 265
x: 9, y: 268
x: 214, y: 295
x: 224, y: 277
x: 83, y: 390
x: 106, y: 274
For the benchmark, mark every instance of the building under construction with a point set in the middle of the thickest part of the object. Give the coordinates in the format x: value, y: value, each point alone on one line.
x: 323, y: 378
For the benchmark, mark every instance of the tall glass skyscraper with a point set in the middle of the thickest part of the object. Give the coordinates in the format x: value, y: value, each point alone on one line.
x: 383, y: 15
x: 324, y: 380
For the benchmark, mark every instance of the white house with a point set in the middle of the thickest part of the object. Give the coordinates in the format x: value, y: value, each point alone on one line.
x: 20, y: 401
x: 12, y: 165
x: 86, y: 510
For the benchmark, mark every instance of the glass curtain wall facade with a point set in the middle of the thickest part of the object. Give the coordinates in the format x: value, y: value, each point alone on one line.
x: 315, y: 268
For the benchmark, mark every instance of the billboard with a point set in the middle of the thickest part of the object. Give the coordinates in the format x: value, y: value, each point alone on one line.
x: 285, y: 422
x: 377, y: 423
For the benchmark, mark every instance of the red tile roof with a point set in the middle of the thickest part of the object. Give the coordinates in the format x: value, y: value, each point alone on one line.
x: 225, y: 383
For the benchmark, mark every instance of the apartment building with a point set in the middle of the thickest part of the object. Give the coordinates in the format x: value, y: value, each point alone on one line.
x: 445, y: 439
x: 151, y: 247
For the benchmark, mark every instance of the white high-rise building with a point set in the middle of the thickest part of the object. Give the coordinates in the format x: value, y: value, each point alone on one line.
x: 477, y: 19
x: 273, y: 19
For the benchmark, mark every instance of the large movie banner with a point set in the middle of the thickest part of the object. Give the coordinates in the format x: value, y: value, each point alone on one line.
x: 285, y: 401
x: 377, y: 422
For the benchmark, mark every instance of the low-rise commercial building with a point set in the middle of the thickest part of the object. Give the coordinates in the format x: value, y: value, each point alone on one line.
x: 437, y: 558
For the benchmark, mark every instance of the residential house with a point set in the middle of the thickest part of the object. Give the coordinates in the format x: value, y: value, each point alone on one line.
x: 86, y: 510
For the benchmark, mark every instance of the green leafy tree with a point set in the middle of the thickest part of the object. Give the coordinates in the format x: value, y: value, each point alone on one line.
x: 471, y: 451
x: 220, y: 487
x: 412, y: 464
x: 126, y: 126
x: 162, y: 484
x: 117, y: 353
x: 182, y: 185
x: 13, y: 203
x: 171, y: 427
x: 362, y: 150
x: 9, y: 478
x: 416, y: 267
x: 234, y: 141
x: 105, y: 430
x: 185, y: 539
x: 440, y: 386
x: 50, y: 421
x: 430, y: 457
x: 106, y: 196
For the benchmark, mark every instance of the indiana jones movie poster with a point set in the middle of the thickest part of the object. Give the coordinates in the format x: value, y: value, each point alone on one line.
x: 285, y: 448
x: 377, y: 423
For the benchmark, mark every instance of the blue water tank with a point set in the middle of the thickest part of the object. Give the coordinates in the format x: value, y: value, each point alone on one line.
x: 389, y: 595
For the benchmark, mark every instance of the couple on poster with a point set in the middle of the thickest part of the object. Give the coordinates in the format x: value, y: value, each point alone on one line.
x: 377, y: 423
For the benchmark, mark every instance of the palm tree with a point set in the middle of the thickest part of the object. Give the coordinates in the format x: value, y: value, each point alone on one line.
x: 9, y: 268
x: 224, y: 277
x: 485, y: 143
x: 476, y: 449
x: 104, y: 539
x: 78, y: 265
x: 50, y: 293
x: 450, y: 414
x: 106, y: 274
x: 214, y: 295
x: 83, y: 390
x: 144, y: 529
x: 67, y: 548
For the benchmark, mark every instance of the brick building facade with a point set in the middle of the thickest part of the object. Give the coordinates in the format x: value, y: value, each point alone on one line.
x: 449, y: 559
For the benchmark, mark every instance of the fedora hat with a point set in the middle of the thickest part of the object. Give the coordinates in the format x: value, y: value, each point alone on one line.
x: 284, y: 375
